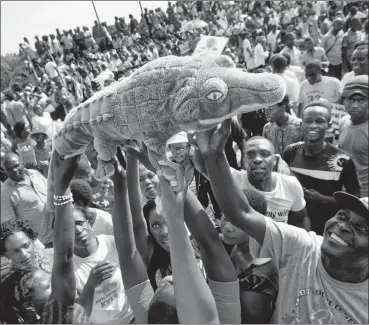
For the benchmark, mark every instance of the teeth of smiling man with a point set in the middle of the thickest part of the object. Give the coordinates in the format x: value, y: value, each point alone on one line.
x: 338, y: 239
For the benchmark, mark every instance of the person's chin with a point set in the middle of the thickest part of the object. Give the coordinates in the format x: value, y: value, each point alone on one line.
x: 258, y: 174
x: 229, y: 240
x: 165, y: 246
x: 152, y: 194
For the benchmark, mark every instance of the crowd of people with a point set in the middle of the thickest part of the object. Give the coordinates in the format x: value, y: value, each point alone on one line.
x: 272, y: 222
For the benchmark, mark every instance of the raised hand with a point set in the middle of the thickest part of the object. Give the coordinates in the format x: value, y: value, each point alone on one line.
x: 132, y: 148
x: 178, y: 176
x: 213, y: 141
x: 173, y: 198
x: 63, y: 171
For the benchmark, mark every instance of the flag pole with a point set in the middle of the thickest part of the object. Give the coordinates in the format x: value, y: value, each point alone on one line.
x: 97, y: 16
x: 143, y: 16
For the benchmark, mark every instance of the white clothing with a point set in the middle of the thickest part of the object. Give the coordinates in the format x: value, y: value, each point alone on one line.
x: 103, y: 224
x: 291, y: 74
x: 272, y: 40
x: 294, y: 54
x: 260, y: 55
x: 250, y: 64
x: 51, y: 69
x: 328, y: 88
x: 110, y: 304
x: 333, y: 44
x: 298, y: 71
x: 45, y: 121
x: 292, y: 86
x: 55, y: 45
x: 307, y: 293
x: 287, y: 195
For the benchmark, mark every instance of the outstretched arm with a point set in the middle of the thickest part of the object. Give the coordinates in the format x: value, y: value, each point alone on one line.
x: 194, y: 300
x: 138, y: 220
x: 231, y: 200
x: 132, y: 267
x: 223, y: 281
x: 62, y: 280
x: 212, y: 249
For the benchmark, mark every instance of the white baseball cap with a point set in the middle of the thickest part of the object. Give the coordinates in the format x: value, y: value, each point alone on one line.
x: 180, y: 137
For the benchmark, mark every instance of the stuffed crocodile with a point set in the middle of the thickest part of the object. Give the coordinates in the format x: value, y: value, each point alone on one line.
x: 164, y: 97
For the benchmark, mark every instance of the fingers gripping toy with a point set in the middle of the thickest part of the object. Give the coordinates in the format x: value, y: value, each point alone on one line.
x: 165, y: 96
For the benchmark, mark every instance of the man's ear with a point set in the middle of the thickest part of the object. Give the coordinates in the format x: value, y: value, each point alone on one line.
x: 274, y: 159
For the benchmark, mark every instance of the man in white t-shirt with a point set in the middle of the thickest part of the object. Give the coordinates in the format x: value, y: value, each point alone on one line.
x: 317, y: 86
x: 291, y: 49
x: 296, y: 70
x: 98, y: 276
x: 272, y: 39
x: 322, y: 279
x: 260, y: 54
x: 283, y: 193
x: 279, y: 66
x: 51, y: 69
x: 248, y: 52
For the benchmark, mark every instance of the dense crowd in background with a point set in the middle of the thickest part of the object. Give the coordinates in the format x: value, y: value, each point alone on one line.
x: 274, y: 225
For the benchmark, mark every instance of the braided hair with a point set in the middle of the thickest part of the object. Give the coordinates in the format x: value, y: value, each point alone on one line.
x: 16, y: 299
x: 12, y: 226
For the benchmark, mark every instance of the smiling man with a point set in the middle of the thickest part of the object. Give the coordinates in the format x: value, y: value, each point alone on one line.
x: 321, y: 168
x: 322, y: 280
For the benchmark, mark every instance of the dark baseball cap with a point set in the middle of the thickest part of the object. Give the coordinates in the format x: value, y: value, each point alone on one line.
x: 351, y: 202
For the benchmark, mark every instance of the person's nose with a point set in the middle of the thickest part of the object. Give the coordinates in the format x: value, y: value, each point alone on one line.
x: 312, y: 126
x: 343, y: 227
x: 258, y: 159
x: 146, y: 181
x: 164, y: 231
x: 79, y: 229
x: 23, y: 253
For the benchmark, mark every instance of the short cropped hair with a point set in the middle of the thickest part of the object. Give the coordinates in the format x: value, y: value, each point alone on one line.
x: 321, y: 103
x: 257, y: 137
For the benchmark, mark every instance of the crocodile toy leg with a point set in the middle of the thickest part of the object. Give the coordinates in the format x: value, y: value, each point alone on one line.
x: 106, y: 152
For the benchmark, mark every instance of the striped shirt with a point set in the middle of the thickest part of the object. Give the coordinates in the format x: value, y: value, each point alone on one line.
x: 55, y: 312
x: 25, y: 199
x: 327, y: 173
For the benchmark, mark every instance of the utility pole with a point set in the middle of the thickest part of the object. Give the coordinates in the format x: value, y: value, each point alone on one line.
x: 143, y: 16
x: 97, y: 16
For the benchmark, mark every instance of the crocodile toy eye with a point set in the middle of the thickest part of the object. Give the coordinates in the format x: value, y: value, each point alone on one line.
x: 214, y: 95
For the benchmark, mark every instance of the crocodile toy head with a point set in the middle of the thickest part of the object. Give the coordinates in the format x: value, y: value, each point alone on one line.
x: 220, y: 91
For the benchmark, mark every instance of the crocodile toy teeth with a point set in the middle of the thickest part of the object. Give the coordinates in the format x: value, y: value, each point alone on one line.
x: 162, y: 98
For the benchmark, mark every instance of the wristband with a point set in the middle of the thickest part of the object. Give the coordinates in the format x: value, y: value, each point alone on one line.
x: 64, y: 202
x: 63, y: 197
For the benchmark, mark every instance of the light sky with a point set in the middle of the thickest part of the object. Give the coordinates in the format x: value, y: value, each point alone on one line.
x: 29, y: 18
